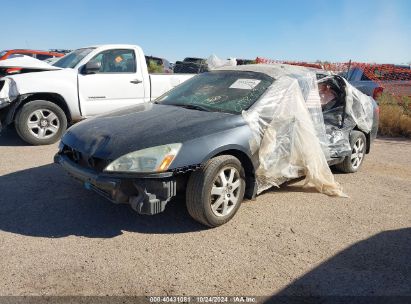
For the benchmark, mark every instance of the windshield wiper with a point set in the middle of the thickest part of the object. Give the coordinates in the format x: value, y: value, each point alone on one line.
x: 192, y: 107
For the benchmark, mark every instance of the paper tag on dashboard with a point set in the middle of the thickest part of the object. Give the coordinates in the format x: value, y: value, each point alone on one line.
x: 245, y: 84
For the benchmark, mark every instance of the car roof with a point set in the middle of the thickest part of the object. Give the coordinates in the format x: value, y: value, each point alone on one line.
x: 120, y: 46
x: 273, y: 70
x: 32, y: 51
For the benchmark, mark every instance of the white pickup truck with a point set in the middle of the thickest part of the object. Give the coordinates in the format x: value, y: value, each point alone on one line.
x: 87, y: 82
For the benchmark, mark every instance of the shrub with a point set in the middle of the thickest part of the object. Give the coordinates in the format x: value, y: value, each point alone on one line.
x: 154, y: 67
x: 395, y: 115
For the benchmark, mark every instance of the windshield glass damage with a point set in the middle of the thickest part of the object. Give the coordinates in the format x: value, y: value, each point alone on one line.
x: 219, y: 91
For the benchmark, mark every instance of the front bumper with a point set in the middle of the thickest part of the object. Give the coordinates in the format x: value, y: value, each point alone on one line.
x: 7, y: 111
x: 4, y: 110
x: 146, y: 195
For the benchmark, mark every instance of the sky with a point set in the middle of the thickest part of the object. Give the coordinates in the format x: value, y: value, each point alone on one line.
x: 301, y: 30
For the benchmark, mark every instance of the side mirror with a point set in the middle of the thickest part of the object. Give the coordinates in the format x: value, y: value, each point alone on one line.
x: 92, y: 67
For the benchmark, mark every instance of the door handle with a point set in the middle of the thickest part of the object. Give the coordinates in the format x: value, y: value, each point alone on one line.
x: 136, y: 81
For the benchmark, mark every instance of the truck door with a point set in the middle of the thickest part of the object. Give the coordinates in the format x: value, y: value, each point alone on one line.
x: 117, y: 83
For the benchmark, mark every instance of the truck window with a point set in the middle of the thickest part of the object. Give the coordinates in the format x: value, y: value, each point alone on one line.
x: 116, y: 61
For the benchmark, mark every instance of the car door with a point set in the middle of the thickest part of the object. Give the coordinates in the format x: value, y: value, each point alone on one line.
x: 117, y: 84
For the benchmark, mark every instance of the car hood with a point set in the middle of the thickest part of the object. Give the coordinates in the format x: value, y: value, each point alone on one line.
x: 26, y: 62
x: 112, y: 135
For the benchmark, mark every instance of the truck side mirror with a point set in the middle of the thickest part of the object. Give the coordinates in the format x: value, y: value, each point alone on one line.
x: 92, y: 67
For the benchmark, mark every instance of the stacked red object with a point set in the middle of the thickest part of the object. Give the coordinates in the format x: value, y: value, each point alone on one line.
x: 390, y: 78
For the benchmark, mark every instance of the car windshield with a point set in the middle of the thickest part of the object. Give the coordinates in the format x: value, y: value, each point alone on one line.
x: 73, y: 58
x: 2, y: 53
x: 219, y: 91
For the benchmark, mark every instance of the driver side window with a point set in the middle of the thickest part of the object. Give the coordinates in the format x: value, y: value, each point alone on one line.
x: 116, y: 61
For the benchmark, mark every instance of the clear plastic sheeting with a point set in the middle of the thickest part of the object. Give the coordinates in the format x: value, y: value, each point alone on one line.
x: 309, y: 89
x: 214, y: 62
x: 285, y: 135
x: 359, y: 108
x: 292, y: 135
x: 8, y: 90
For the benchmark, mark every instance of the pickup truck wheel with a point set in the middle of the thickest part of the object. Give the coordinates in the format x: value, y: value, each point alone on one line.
x: 353, y: 162
x: 215, y: 192
x: 40, y: 122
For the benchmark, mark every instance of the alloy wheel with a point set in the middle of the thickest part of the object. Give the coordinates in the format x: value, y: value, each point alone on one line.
x: 43, y: 123
x: 357, y: 154
x: 225, y: 191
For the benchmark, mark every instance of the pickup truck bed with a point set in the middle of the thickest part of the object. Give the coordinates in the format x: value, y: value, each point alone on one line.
x: 165, y: 82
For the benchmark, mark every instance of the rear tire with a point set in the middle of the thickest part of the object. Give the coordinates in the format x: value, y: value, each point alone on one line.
x: 40, y: 122
x: 215, y: 192
x: 353, y: 162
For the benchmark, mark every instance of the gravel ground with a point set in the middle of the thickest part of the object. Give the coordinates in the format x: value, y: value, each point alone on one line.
x: 57, y: 238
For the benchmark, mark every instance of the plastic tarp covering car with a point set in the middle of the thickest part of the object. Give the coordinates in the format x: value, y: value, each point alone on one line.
x: 214, y: 62
x: 289, y: 133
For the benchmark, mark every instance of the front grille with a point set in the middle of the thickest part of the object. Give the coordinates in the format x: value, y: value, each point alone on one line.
x: 84, y: 160
x: 186, y: 169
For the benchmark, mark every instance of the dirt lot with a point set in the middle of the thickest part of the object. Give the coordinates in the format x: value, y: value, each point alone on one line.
x: 58, y: 238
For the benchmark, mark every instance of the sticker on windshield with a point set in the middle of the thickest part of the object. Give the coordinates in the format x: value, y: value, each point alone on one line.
x: 245, y: 84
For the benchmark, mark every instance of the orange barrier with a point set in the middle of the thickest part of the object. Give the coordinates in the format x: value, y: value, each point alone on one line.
x: 390, y: 78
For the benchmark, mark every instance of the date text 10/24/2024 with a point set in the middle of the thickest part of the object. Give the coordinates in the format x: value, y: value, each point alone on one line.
x: 201, y: 299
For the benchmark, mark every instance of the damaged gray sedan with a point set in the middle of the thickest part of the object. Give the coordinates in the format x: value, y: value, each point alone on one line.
x: 222, y: 136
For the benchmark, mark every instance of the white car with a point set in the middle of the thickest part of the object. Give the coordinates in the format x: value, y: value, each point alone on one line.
x: 84, y: 83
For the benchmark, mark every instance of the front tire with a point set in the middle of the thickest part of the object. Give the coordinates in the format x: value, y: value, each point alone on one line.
x: 353, y: 162
x: 40, y: 122
x: 215, y: 192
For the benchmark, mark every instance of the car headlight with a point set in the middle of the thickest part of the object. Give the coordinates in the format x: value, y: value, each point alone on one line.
x: 155, y: 159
